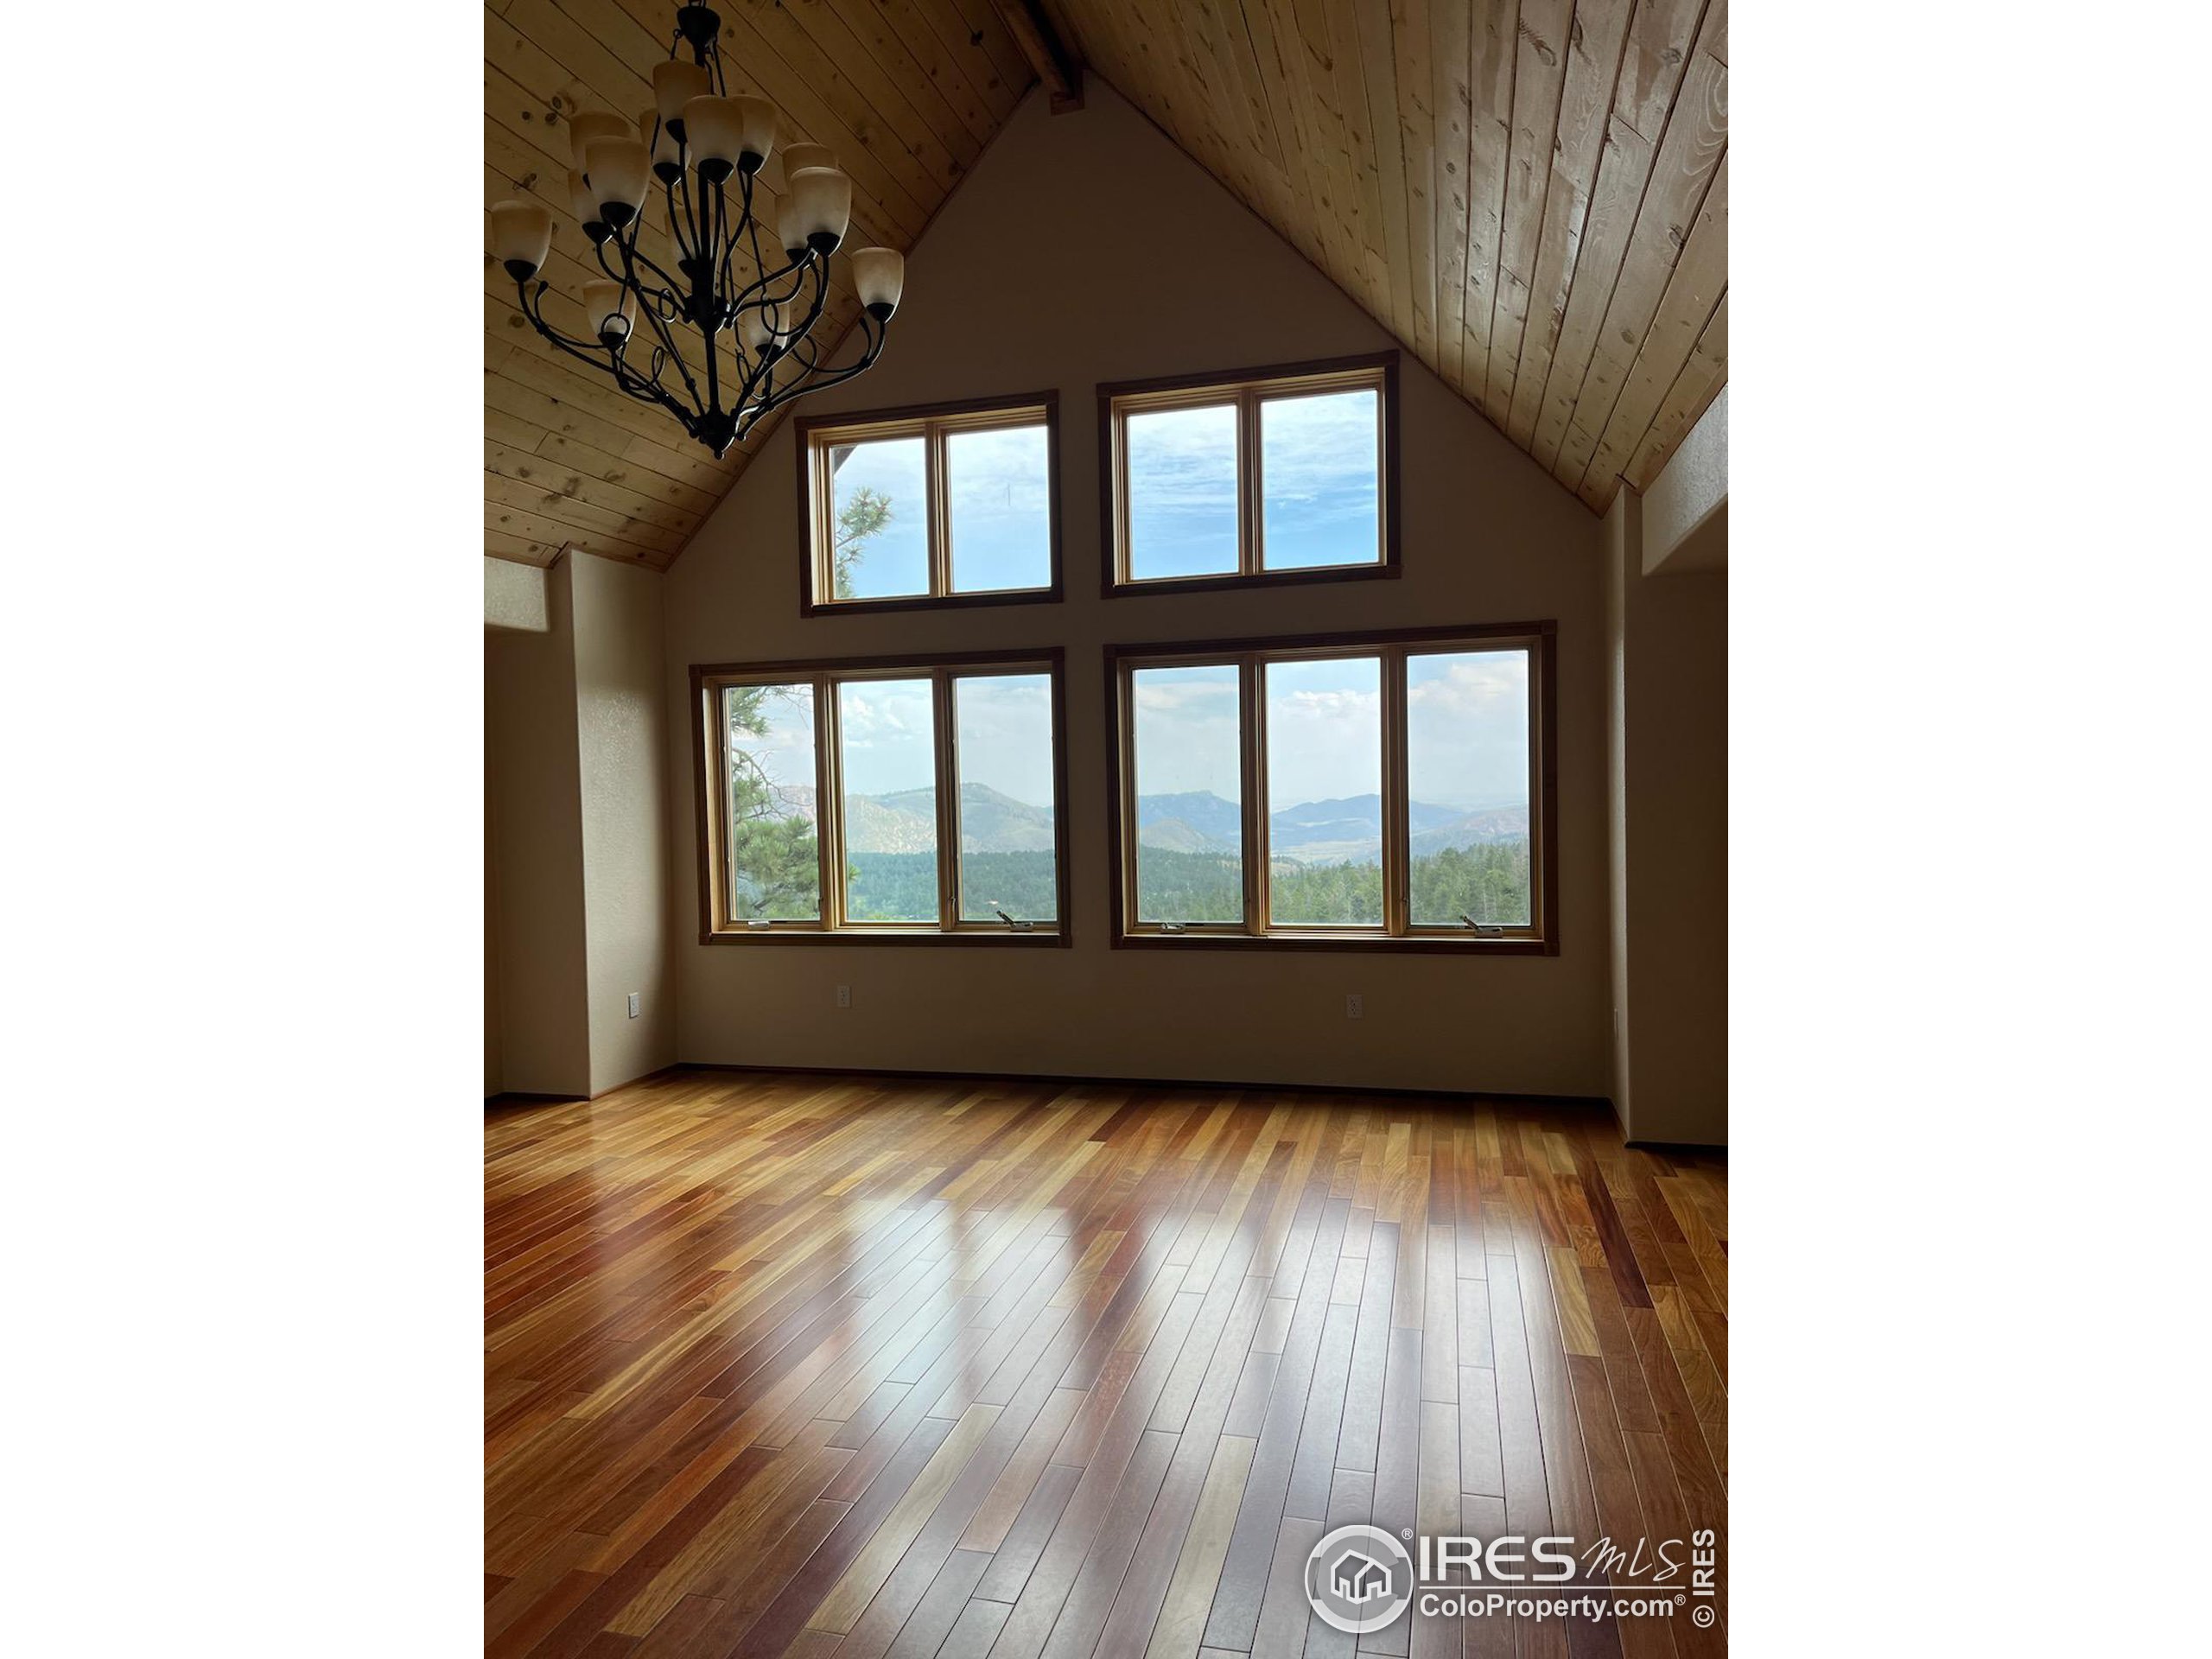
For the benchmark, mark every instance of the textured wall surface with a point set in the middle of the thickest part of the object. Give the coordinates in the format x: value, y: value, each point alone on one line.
x: 530, y: 737
x: 514, y: 596
x: 1668, y: 818
x: 1084, y: 248
x: 1686, y: 509
x: 622, y: 750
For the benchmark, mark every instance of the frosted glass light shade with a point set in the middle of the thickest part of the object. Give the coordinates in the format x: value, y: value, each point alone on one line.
x: 788, y: 231
x: 585, y: 126
x: 521, y: 233
x: 668, y: 153
x: 824, y: 199
x: 676, y: 83
x: 753, y: 327
x: 802, y: 155
x: 608, y: 310
x: 582, y: 202
x: 714, y: 131
x: 879, y: 274
x: 759, y: 127
x: 618, y: 169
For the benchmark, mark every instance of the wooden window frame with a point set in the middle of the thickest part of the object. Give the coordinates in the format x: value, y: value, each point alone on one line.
x: 933, y: 423
x: 1397, y: 932
x: 1248, y: 389
x: 710, y: 735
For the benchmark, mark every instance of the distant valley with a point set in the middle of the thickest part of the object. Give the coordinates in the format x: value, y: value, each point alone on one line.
x: 1346, y: 831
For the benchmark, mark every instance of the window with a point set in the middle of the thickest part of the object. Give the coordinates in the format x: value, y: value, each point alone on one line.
x: 953, y: 504
x: 1382, y: 791
x: 890, y: 800
x: 1261, y: 475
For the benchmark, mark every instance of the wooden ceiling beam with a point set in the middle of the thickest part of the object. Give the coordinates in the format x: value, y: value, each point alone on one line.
x: 1060, y: 69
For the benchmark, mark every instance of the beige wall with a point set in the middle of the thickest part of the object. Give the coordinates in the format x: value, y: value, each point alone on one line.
x: 514, y: 596
x: 1667, y: 814
x: 1623, y: 524
x: 623, y: 754
x: 494, y: 1060
x: 529, y: 738
x: 1686, y: 508
x: 575, y: 879
x: 1085, y: 248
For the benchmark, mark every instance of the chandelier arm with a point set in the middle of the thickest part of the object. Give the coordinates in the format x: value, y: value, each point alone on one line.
x: 799, y: 331
x: 822, y: 380
x: 750, y: 224
x: 676, y: 221
x: 650, y: 391
x: 715, y: 256
x: 663, y: 292
x: 603, y: 360
x: 628, y: 250
x: 533, y: 307
x: 756, y: 293
x: 699, y: 213
x: 707, y: 333
x: 668, y: 341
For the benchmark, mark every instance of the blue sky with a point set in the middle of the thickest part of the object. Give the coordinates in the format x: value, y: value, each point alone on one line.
x: 1324, y: 730
x: 1005, y: 731
x: 998, y: 489
x: 1467, y: 729
x: 1187, y: 731
x: 1317, y: 491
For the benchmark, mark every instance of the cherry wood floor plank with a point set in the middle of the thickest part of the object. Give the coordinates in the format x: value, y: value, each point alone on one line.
x: 891, y: 1369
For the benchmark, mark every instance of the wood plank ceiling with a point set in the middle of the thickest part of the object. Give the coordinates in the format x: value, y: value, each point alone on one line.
x: 1531, y: 194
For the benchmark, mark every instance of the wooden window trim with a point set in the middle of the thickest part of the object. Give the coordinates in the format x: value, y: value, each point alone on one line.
x: 933, y: 422
x: 1397, y: 934
x: 710, y: 734
x: 1248, y: 388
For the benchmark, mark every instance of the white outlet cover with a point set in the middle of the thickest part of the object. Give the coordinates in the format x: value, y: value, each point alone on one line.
x: 635, y: 997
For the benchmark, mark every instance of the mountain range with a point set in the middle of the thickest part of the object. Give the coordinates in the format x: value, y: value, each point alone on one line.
x: 1348, y: 830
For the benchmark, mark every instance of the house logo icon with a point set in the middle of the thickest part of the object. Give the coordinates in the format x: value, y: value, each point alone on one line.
x: 1359, y: 1579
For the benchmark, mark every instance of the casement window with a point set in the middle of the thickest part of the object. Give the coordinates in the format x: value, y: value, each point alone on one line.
x: 954, y: 504
x: 1384, y: 791
x: 884, y: 799
x: 1251, y: 477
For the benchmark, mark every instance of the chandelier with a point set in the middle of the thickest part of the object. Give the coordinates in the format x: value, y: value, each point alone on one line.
x: 704, y: 151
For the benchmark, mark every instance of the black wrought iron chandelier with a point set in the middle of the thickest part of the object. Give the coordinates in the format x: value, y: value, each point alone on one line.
x: 704, y: 150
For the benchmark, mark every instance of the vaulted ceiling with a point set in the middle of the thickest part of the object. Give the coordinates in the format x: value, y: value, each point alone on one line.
x: 1531, y: 194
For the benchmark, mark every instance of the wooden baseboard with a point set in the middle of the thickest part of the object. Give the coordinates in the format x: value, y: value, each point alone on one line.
x: 1487, y: 1094
x: 1705, y: 1148
x: 507, y: 1098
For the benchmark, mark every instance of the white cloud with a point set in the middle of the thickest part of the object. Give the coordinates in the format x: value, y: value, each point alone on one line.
x: 1005, y: 734
x: 888, y: 736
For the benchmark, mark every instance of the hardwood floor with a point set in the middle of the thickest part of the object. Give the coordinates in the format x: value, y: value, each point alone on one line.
x: 784, y: 1365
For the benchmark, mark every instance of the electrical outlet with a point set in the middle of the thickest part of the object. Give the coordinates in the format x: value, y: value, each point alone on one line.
x: 844, y: 996
x: 635, y: 997
x: 1355, y: 1006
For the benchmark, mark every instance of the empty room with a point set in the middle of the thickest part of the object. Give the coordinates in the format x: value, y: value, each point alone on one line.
x: 1105, y: 1010
x: 945, y: 830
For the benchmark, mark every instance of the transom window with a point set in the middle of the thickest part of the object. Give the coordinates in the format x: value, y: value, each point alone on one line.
x: 884, y: 799
x: 1258, y: 475
x: 953, y: 504
x: 1389, y: 789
